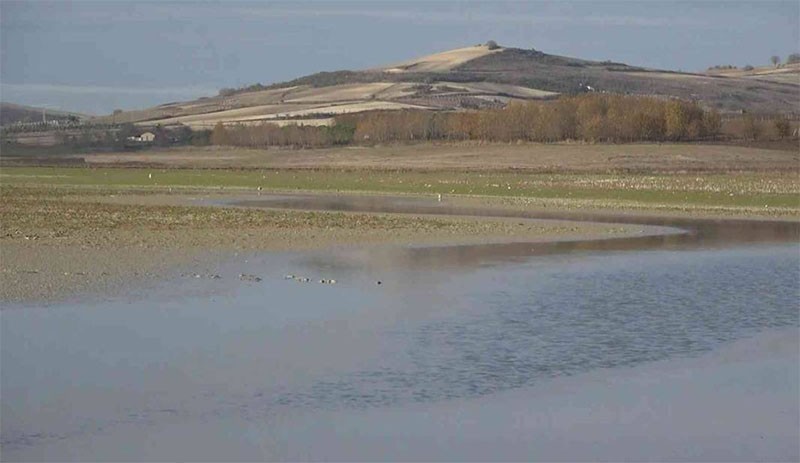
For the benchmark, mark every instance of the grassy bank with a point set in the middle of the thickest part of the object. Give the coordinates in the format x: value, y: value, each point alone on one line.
x: 745, y: 190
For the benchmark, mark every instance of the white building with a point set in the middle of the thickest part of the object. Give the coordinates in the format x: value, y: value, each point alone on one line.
x: 147, y: 137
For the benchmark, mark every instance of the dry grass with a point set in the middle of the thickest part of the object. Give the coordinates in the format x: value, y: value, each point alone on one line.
x: 353, y: 108
x: 237, y: 114
x: 500, y: 89
x: 442, y: 62
x: 279, y: 113
x: 338, y: 93
x: 787, y: 73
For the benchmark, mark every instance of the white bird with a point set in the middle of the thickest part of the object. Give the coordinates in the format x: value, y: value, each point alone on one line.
x: 149, y: 175
x: 440, y: 197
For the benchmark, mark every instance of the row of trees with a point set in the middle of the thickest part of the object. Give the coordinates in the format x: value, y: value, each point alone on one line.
x: 265, y: 135
x: 588, y: 117
x: 750, y: 127
x: 793, y: 58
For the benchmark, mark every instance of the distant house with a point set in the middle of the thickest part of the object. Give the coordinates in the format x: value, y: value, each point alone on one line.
x: 147, y: 137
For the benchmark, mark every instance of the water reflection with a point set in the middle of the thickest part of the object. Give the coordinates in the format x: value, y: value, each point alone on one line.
x: 662, y: 232
x: 512, y: 325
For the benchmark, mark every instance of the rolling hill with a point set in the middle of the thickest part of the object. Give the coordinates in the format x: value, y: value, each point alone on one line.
x: 786, y: 73
x: 467, y: 78
x: 13, y: 113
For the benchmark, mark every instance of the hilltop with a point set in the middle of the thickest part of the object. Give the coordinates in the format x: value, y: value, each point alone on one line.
x: 467, y: 78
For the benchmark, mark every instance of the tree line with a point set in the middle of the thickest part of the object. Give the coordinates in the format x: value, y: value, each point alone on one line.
x: 297, y: 136
x: 589, y: 117
x: 602, y: 118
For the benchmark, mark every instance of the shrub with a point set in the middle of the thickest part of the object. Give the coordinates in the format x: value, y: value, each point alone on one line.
x: 783, y: 128
x: 200, y: 138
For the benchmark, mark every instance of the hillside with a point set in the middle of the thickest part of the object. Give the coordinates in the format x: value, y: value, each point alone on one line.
x: 786, y: 73
x: 13, y: 113
x: 467, y: 78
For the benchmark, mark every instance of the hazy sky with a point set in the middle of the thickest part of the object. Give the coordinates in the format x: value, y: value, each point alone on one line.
x: 97, y: 56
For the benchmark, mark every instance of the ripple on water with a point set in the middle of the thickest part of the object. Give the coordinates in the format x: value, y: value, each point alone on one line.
x: 588, y: 316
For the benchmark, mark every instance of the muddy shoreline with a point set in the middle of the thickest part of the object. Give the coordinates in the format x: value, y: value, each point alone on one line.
x: 44, y: 264
x: 41, y: 266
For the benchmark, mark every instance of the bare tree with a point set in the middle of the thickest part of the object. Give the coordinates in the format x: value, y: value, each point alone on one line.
x: 775, y: 60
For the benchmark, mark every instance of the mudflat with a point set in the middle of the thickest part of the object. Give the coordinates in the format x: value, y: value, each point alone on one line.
x: 67, y: 231
x: 60, y: 242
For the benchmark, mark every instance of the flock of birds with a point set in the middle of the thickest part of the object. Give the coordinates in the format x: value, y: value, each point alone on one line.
x: 323, y: 281
x: 248, y: 277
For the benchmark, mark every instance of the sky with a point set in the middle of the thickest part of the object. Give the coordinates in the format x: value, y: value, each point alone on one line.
x: 97, y: 56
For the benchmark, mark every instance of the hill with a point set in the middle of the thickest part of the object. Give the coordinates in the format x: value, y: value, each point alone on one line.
x: 13, y: 113
x: 785, y: 73
x: 467, y: 78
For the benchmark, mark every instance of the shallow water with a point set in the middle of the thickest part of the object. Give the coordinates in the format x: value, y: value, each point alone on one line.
x: 225, y: 369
